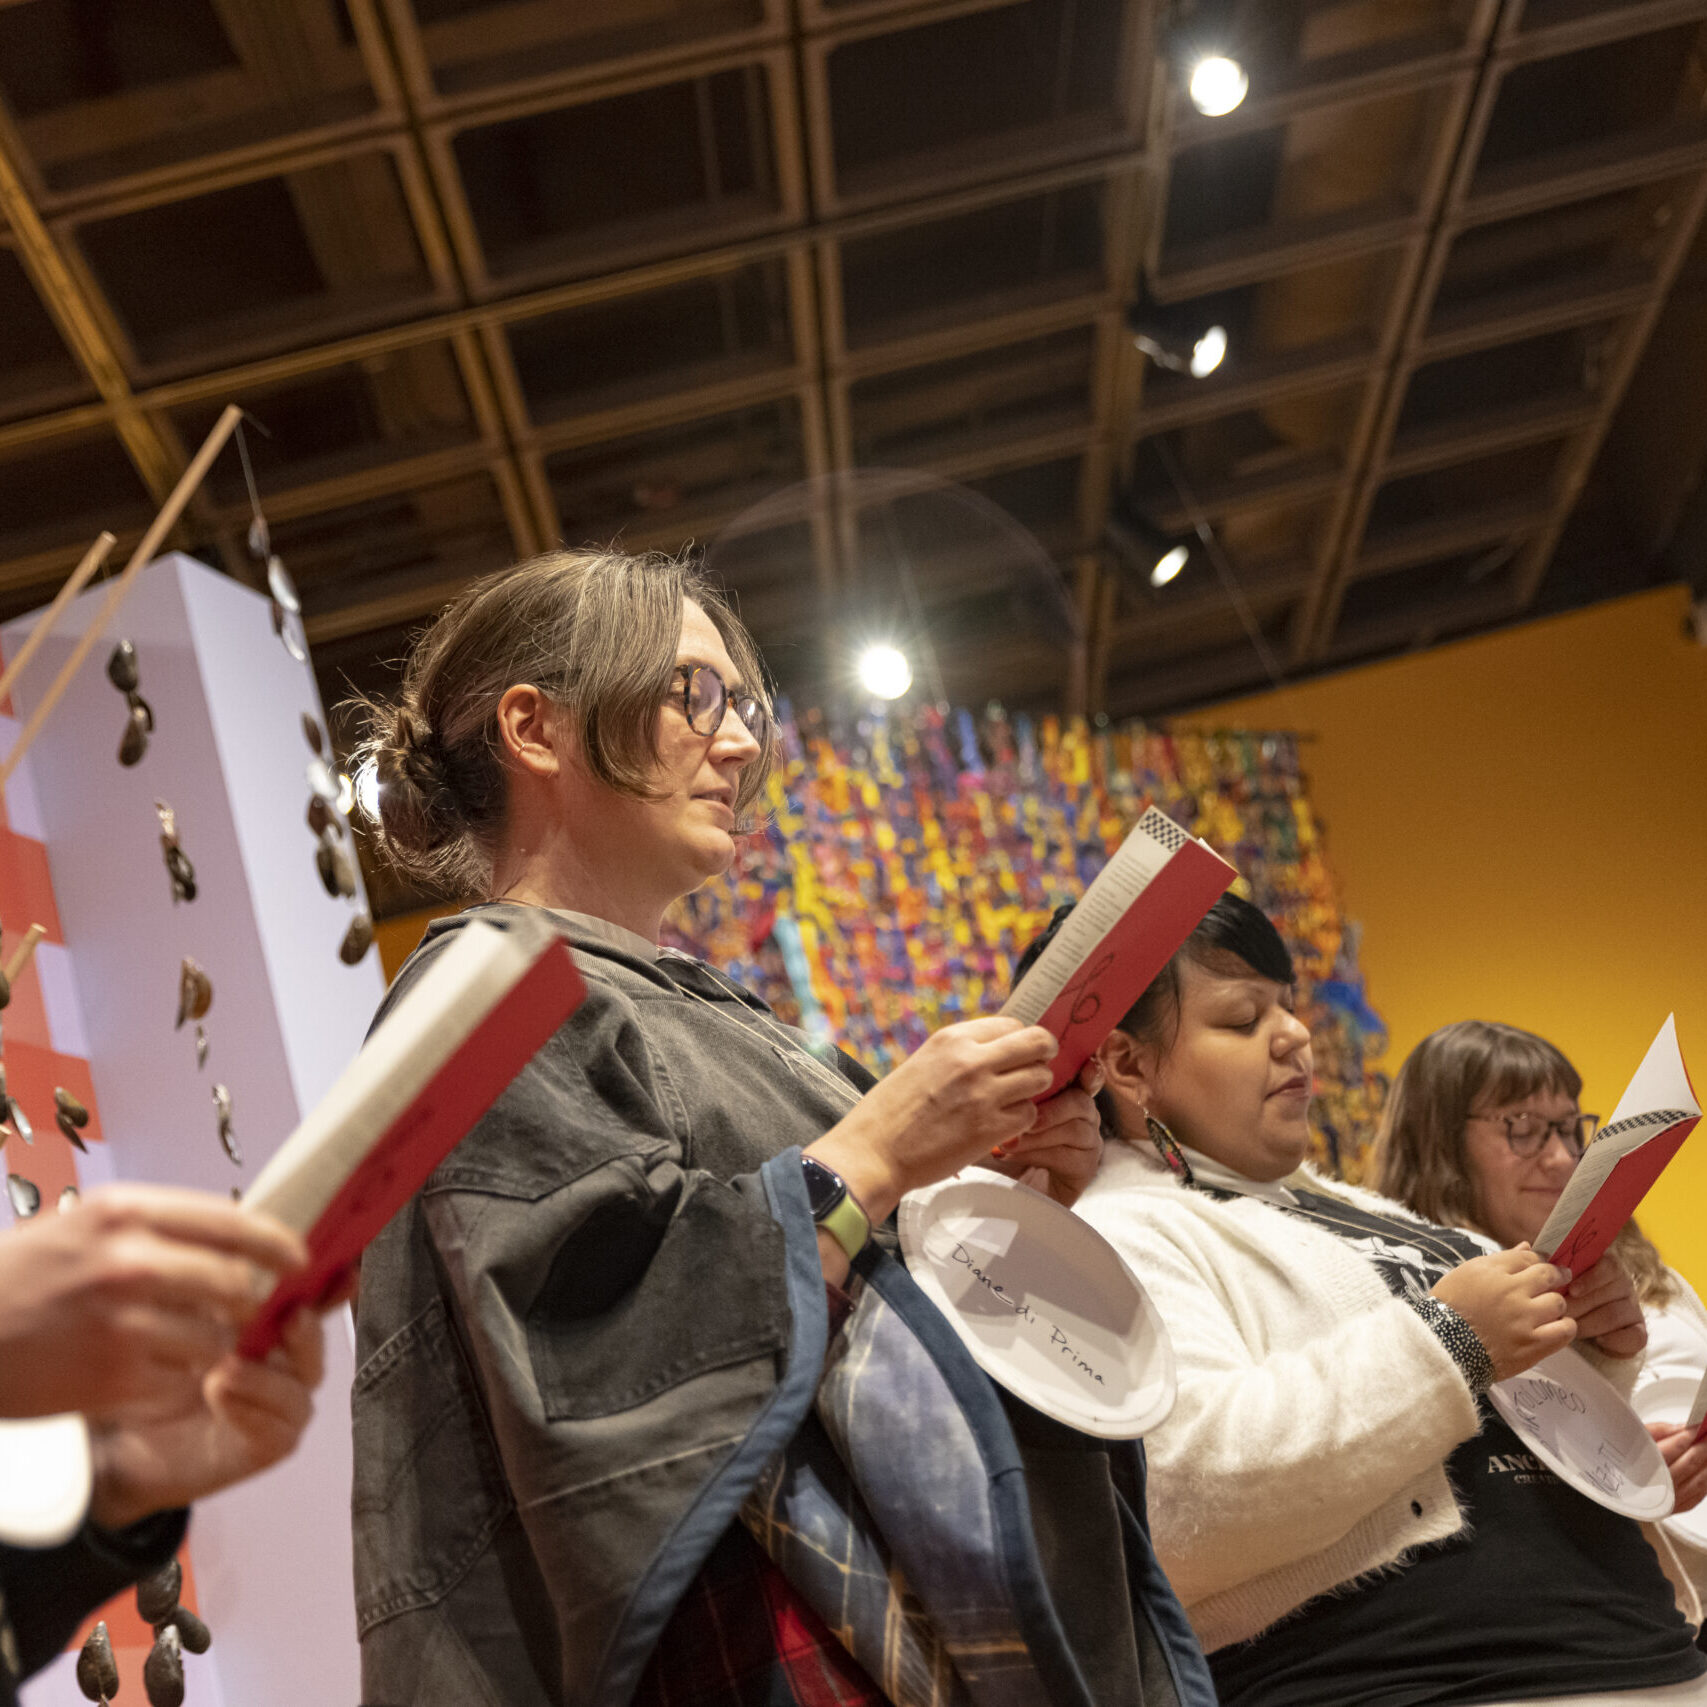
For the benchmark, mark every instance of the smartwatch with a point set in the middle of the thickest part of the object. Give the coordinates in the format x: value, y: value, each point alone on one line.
x: 834, y: 1207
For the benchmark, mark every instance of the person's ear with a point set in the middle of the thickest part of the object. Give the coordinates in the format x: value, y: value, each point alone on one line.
x: 530, y: 731
x: 1128, y: 1071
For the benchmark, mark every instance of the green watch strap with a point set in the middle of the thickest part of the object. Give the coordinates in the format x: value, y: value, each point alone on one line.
x: 847, y: 1225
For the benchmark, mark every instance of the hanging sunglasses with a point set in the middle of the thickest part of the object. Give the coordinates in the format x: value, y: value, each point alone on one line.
x: 178, y: 866
x: 70, y: 1116
x: 227, y: 1137
x: 122, y: 672
x: 705, y: 697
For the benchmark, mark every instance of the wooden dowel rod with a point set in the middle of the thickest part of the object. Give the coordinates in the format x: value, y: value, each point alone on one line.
x: 93, y: 558
x: 22, y: 953
x: 144, y: 553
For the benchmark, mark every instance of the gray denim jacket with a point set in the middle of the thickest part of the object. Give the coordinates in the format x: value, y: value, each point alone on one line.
x: 583, y: 1343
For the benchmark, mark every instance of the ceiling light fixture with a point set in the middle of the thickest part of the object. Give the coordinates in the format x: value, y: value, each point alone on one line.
x: 1208, y: 353
x: 884, y: 671
x: 1169, y: 564
x: 1217, y: 85
x: 1141, y: 548
x: 1172, y: 341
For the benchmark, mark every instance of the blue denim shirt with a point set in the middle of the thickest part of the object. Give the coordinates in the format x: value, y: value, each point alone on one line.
x: 585, y: 1342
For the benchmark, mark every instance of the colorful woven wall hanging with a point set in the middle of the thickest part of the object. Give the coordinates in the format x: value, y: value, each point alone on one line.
x: 909, y: 858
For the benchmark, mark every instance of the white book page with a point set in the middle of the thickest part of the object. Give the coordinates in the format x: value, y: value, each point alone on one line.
x: 1698, y: 1410
x: 1153, y: 841
x: 1657, y: 1097
x: 453, y: 997
x: 1660, y: 1082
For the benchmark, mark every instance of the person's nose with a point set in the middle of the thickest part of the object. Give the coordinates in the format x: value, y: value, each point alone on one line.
x: 1290, y: 1036
x: 734, y: 744
x: 1557, y: 1157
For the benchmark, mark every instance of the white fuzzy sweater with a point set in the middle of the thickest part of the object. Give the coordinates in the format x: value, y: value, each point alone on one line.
x: 1308, y: 1443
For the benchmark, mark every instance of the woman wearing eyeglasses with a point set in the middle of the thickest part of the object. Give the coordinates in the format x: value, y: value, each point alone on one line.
x: 1482, y: 1130
x: 1344, y: 1514
x: 625, y: 1430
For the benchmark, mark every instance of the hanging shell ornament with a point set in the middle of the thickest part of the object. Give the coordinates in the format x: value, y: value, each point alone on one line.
x: 195, y: 993
x: 70, y: 1116
x: 13, y: 1112
x: 192, y: 1632
x: 201, y: 1047
x: 158, y: 1593
x: 313, y: 734
x: 123, y: 673
x: 337, y: 870
x: 163, y: 1670
x: 178, y: 866
x: 222, y: 1112
x: 97, y: 1669
x: 25, y: 1195
x: 358, y: 939
x: 322, y: 816
x: 69, y: 1198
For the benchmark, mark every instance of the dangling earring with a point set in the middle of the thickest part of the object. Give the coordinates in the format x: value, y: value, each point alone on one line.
x: 1167, y: 1146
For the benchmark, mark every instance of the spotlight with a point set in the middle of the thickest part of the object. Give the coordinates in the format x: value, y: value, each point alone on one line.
x: 1169, y: 565
x: 1217, y: 85
x: 884, y: 671
x: 366, y: 791
x: 1208, y: 353
x: 1141, y: 548
x: 1171, y: 340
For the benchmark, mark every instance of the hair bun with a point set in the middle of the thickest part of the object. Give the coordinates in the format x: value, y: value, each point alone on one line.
x: 416, y: 801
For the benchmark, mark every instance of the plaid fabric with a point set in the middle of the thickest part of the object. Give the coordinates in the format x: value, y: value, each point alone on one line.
x: 742, y: 1637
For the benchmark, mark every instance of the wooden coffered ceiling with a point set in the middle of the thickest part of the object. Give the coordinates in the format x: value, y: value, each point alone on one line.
x: 819, y: 282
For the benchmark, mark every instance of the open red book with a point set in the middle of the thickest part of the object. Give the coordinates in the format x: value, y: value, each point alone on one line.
x: 1656, y: 1113
x: 1144, y: 903
x: 432, y: 1067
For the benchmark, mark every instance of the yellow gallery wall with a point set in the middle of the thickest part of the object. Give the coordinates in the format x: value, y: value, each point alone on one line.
x: 1519, y: 822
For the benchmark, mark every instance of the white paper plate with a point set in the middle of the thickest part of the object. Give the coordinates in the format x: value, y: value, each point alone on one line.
x: 1042, y: 1301
x: 1573, y: 1420
x: 1667, y: 1400
x: 45, y: 1479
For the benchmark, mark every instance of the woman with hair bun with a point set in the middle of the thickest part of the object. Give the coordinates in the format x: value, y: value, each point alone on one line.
x: 1345, y: 1516
x: 644, y: 1413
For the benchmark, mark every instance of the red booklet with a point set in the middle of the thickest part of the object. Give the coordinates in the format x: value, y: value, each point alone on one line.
x: 1656, y: 1113
x: 432, y: 1067
x: 1143, y: 904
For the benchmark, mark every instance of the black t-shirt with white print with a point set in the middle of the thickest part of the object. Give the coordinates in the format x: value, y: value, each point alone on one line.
x: 1544, y: 1593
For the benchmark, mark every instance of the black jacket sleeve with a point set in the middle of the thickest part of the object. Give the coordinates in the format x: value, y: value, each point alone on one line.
x: 50, y: 1591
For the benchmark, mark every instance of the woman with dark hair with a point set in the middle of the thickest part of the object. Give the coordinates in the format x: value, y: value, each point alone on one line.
x: 643, y: 1412
x: 1482, y: 1130
x: 1345, y: 1517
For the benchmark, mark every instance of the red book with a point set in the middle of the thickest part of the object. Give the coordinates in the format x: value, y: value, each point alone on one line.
x: 1144, y: 903
x: 431, y: 1069
x: 1656, y: 1113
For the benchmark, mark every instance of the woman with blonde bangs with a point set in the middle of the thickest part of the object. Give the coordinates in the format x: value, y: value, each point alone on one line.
x: 644, y: 1412
x: 1482, y: 1130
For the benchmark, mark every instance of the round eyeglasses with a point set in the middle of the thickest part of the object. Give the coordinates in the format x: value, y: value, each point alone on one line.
x: 1527, y: 1134
x: 705, y: 697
